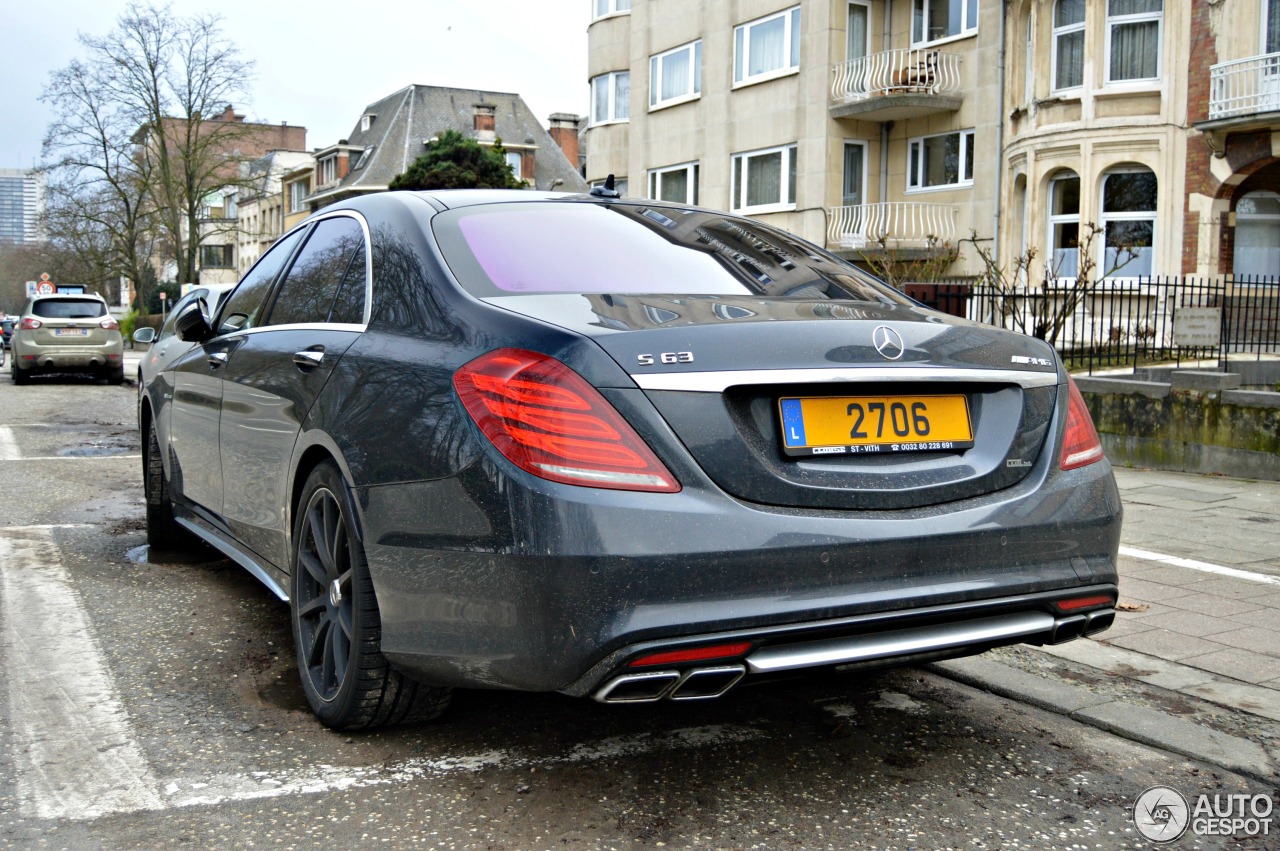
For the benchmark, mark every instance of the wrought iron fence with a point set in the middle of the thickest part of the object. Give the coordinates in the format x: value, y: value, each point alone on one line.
x: 1130, y: 321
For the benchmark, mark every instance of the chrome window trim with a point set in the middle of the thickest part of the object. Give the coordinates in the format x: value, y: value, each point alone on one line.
x: 718, y: 382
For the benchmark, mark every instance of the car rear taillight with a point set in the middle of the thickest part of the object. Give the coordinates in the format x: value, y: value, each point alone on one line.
x: 1080, y: 443
x: 30, y: 323
x: 110, y: 324
x: 547, y: 420
x: 693, y: 654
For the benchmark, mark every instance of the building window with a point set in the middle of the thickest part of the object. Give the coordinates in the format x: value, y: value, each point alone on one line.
x: 1257, y: 244
x: 767, y: 47
x: 216, y: 257
x: 1129, y: 221
x: 365, y: 156
x: 611, y: 97
x: 609, y: 7
x: 677, y: 183
x: 366, y: 121
x: 515, y: 159
x: 939, y: 161
x: 675, y: 76
x: 1064, y: 225
x: 855, y: 174
x: 328, y: 170
x: 934, y: 20
x: 1133, y: 39
x: 1068, y: 44
x: 765, y: 180
x: 298, y: 191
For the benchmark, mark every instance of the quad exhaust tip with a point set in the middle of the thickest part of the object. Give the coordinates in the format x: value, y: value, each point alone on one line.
x: 652, y: 686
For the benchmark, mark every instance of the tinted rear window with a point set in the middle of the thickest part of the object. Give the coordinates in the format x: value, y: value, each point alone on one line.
x: 69, y: 308
x: 582, y: 247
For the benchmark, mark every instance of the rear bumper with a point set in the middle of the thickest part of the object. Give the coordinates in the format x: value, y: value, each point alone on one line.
x: 70, y: 358
x: 488, y: 580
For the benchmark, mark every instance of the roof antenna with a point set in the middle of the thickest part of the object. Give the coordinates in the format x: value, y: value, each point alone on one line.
x: 607, y: 190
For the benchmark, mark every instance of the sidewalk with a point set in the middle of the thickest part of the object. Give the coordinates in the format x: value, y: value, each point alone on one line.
x: 1192, y: 664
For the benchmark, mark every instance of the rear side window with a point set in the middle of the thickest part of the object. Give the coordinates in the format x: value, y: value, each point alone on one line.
x: 243, y: 308
x: 69, y: 308
x: 579, y: 247
x: 322, y: 273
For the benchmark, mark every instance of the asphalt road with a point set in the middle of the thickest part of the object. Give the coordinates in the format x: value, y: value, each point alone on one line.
x: 147, y: 705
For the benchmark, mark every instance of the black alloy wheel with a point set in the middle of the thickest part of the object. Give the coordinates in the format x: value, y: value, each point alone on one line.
x: 336, y: 624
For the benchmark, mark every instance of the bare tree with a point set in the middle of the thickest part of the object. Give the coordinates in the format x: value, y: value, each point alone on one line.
x: 162, y: 86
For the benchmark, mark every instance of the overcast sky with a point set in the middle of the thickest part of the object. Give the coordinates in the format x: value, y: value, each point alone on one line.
x: 320, y: 63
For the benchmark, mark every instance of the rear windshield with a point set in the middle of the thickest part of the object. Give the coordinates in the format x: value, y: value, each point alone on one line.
x: 586, y: 247
x: 69, y: 308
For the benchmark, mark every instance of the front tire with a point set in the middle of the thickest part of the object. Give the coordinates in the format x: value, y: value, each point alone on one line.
x: 337, y: 628
x: 163, y: 531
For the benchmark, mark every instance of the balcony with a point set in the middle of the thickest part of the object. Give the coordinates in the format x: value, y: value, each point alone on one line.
x: 898, y: 225
x: 1245, y: 87
x: 896, y: 84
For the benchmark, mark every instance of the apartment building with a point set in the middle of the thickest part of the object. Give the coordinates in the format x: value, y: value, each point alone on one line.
x: 1232, y: 222
x: 867, y: 126
x: 21, y: 205
x: 262, y: 204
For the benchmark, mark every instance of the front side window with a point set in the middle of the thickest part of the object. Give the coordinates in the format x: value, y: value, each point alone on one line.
x: 764, y: 181
x: 1133, y: 39
x: 934, y: 20
x: 600, y: 8
x: 940, y: 161
x: 767, y: 47
x: 677, y: 183
x: 332, y: 258
x: 675, y: 76
x: 611, y: 97
x: 1064, y: 225
x: 1068, y: 44
x: 243, y: 307
x: 1129, y: 221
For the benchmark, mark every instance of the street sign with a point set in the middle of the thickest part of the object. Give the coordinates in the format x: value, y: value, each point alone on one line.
x: 46, y: 288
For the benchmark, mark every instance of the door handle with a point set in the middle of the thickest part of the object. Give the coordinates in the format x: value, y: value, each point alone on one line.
x: 218, y: 359
x: 309, y: 359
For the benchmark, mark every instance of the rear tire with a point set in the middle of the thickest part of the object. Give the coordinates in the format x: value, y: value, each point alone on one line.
x: 337, y: 627
x: 19, y: 376
x: 115, y: 375
x: 163, y: 531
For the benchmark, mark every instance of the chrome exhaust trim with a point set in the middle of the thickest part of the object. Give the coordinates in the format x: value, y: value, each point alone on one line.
x: 638, y: 688
x: 707, y: 683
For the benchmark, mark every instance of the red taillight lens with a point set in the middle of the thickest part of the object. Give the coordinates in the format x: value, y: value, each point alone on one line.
x: 547, y: 420
x: 693, y: 654
x: 110, y: 324
x: 1080, y: 443
x: 1078, y: 603
x: 30, y: 323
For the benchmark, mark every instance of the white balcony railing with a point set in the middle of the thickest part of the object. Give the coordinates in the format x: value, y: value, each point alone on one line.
x: 1244, y: 87
x: 901, y: 71
x: 899, y: 224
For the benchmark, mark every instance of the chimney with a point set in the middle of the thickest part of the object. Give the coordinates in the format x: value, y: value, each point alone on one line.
x: 564, y: 132
x: 485, y: 122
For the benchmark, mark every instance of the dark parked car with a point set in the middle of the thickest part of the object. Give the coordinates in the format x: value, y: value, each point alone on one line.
x: 6, y: 329
x: 164, y: 345
x: 618, y: 449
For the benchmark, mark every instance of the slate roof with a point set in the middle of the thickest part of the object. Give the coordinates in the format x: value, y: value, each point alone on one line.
x: 405, y: 120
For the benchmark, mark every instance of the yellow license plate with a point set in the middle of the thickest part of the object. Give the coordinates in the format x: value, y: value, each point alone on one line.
x: 826, y: 425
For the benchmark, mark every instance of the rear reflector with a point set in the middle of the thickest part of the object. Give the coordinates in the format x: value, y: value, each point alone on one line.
x: 693, y: 654
x: 1080, y: 443
x: 548, y: 421
x: 1085, y: 602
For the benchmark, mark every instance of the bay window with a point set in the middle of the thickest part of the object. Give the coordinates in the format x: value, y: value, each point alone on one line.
x: 611, y: 97
x: 1064, y: 225
x: 1068, y: 44
x: 677, y: 183
x: 1129, y: 221
x: 1133, y: 40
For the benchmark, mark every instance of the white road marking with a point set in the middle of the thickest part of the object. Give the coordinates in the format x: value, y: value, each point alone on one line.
x: 8, y: 446
x: 1204, y: 566
x: 78, y: 458
x: 71, y: 737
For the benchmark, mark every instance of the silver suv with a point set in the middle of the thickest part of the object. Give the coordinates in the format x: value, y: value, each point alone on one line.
x: 67, y: 333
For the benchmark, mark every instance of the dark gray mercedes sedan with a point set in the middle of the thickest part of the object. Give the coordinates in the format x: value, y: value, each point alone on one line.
x: 619, y: 449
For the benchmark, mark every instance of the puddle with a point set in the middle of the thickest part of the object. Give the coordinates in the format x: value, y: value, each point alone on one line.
x: 286, y: 693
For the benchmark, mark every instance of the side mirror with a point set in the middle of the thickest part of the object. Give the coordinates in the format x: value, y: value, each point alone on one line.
x: 192, y: 322
x: 146, y: 335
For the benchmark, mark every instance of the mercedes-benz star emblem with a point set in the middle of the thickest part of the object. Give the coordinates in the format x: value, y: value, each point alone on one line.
x: 887, y: 342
